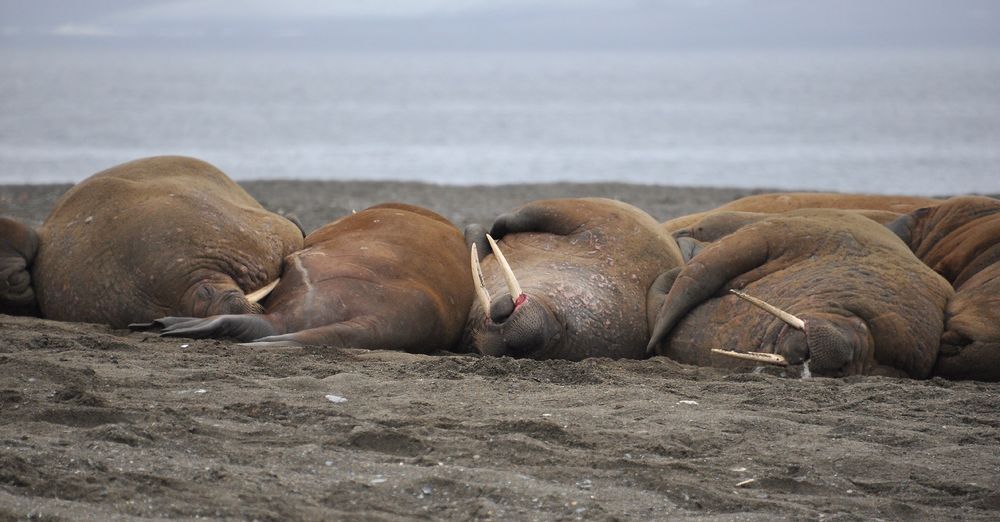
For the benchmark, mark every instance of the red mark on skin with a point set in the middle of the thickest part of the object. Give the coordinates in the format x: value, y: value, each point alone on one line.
x: 520, y: 300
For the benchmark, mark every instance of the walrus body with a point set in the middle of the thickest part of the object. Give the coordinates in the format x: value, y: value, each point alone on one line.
x: 158, y: 236
x: 393, y: 276
x: 584, y: 267
x: 865, y: 303
x: 714, y: 225
x: 781, y: 202
x: 960, y: 239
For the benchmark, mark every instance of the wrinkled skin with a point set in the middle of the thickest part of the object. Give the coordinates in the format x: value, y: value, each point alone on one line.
x: 585, y: 266
x: 18, y: 247
x: 714, y: 225
x: 869, y: 306
x: 158, y: 236
x: 393, y: 276
x: 781, y: 202
x: 960, y: 239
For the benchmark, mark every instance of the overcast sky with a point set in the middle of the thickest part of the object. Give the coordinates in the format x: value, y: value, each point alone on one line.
x: 501, y: 24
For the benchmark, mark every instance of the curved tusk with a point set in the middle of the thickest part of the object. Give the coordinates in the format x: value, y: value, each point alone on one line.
x: 479, y: 281
x: 262, y: 292
x: 773, y: 310
x: 508, y: 274
x: 768, y: 358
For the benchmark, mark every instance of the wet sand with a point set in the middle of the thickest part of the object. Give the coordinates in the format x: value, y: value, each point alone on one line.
x: 101, y: 424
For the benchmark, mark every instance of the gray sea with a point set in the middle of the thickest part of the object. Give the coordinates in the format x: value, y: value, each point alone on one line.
x: 913, y: 122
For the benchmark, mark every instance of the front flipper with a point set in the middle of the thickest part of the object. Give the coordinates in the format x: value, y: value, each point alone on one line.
x: 705, y: 275
x: 475, y: 234
x: 657, y: 293
x: 689, y: 247
x: 236, y: 327
x: 18, y: 247
x: 559, y: 217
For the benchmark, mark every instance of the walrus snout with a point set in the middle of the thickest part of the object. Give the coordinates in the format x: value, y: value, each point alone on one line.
x: 830, y: 344
x: 837, y: 344
x: 526, y: 329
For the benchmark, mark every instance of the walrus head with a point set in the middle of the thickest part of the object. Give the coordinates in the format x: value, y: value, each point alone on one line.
x: 828, y: 344
x: 515, y: 323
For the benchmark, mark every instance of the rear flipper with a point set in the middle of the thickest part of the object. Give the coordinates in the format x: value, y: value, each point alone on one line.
x: 18, y: 247
x: 236, y: 327
x: 366, y: 332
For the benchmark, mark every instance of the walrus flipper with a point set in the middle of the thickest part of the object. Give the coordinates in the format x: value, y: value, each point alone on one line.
x: 977, y: 360
x: 365, y: 332
x: 236, y: 327
x: 658, y: 293
x: 475, y: 234
x: 559, y: 217
x: 18, y: 247
x: 703, y: 277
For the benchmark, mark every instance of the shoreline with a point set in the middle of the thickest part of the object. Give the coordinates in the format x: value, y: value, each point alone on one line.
x: 316, y: 203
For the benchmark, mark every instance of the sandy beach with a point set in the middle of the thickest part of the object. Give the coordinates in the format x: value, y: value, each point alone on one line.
x: 103, y: 424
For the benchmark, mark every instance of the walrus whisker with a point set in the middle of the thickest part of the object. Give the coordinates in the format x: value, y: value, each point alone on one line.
x: 508, y: 274
x: 773, y: 310
x: 767, y: 358
x: 479, y: 281
x: 262, y: 292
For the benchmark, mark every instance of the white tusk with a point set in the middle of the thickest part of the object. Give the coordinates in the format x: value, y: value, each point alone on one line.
x: 508, y: 274
x: 773, y: 310
x: 769, y: 358
x: 479, y: 281
x: 262, y: 292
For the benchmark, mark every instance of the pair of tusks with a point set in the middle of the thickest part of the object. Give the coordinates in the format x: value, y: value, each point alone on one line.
x: 769, y: 358
x: 262, y: 292
x: 480, y: 282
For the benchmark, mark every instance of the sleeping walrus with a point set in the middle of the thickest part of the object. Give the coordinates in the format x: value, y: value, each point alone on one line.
x: 393, y: 276
x: 845, y: 293
x: 960, y: 239
x: 781, y: 202
x: 158, y: 236
x: 579, y: 272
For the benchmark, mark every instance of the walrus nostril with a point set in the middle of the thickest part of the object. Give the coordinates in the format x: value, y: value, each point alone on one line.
x: 501, y: 308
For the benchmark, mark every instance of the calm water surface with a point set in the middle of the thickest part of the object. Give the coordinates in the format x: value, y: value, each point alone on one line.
x: 892, y: 122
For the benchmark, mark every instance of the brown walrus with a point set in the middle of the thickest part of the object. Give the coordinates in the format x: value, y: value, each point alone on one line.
x: 780, y: 202
x: 18, y: 247
x: 166, y: 235
x: 393, y: 276
x: 960, y: 239
x: 856, y: 300
x: 583, y: 269
x: 712, y: 226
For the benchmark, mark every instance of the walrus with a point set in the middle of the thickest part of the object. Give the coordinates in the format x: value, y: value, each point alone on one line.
x: 960, y: 239
x: 570, y: 278
x: 18, y: 247
x: 713, y: 225
x: 166, y: 235
x: 781, y: 202
x: 843, y: 295
x: 393, y: 276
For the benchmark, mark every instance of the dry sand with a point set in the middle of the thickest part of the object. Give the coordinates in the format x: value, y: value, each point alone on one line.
x: 102, y: 424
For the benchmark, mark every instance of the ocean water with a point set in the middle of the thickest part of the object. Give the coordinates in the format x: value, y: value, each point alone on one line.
x: 912, y: 122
